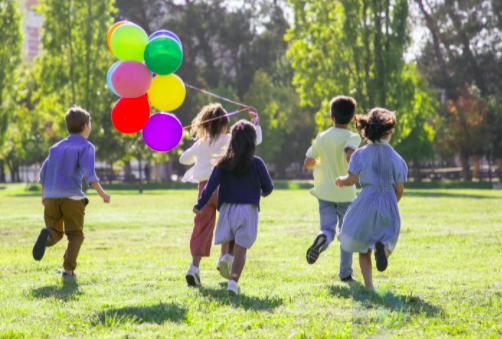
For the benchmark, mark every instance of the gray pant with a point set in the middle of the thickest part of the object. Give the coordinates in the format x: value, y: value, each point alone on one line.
x: 330, y: 213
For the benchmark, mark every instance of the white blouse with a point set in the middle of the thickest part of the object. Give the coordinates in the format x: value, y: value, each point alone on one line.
x: 204, y: 155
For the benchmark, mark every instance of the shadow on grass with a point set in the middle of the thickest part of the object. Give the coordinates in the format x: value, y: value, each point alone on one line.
x: 387, y: 299
x: 157, y: 314
x: 240, y: 301
x: 67, y: 291
x: 449, y: 195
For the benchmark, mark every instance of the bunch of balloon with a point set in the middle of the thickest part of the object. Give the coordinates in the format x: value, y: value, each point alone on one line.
x: 144, y: 76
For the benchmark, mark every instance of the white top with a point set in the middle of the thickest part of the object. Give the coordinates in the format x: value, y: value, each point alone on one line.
x: 205, y: 155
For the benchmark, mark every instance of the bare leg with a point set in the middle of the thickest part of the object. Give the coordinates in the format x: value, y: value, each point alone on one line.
x: 239, y: 262
x: 366, y: 268
x: 224, y: 248
x: 196, y: 260
x: 231, y: 244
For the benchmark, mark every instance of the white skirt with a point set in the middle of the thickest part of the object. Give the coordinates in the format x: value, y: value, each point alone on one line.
x: 237, y: 222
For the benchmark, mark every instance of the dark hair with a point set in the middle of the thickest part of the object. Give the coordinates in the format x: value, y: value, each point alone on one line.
x: 212, y: 129
x: 75, y: 119
x: 240, y: 152
x: 376, y: 124
x: 342, y: 109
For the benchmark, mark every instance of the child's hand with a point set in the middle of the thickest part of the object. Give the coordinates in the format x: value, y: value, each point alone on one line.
x: 253, y: 115
x: 196, y: 211
x: 339, y: 182
x: 105, y: 196
x: 43, y: 201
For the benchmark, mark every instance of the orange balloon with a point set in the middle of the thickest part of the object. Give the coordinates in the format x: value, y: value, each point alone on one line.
x: 110, y: 32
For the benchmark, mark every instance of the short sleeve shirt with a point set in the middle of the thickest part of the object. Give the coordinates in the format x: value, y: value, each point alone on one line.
x: 329, y: 149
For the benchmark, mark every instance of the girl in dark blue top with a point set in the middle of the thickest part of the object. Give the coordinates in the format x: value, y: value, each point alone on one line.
x: 242, y: 179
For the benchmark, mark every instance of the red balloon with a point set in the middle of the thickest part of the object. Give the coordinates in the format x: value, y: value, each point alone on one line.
x: 130, y: 115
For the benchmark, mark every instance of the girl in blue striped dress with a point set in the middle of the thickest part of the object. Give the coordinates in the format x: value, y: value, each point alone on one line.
x: 372, y: 222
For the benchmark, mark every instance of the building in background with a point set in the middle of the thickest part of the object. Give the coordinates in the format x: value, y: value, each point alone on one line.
x: 32, y: 23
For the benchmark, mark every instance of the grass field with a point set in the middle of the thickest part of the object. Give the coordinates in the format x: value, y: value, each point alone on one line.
x: 444, y: 279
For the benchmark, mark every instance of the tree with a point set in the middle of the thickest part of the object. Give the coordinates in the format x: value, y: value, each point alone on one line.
x: 355, y: 47
x: 73, y: 68
x: 464, y: 126
x: 10, y: 58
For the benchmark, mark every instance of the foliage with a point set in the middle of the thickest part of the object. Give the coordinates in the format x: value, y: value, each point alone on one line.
x: 10, y: 56
x: 355, y: 47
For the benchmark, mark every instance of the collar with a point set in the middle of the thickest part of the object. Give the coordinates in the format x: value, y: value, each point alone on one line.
x: 381, y: 142
x: 76, y: 136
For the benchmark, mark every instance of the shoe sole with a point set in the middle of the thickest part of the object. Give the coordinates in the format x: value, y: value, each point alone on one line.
x: 192, y: 280
x: 40, y: 245
x: 232, y: 293
x: 315, y: 250
x: 380, y: 257
x: 225, y: 270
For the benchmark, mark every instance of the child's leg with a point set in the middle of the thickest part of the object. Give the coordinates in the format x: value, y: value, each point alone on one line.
x: 73, y: 213
x: 230, y: 247
x: 53, y: 220
x: 345, y: 269
x: 202, y: 234
x: 366, y: 268
x: 327, y: 215
x: 224, y: 248
x: 239, y: 262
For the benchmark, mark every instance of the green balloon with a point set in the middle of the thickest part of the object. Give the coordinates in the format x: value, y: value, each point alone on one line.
x: 129, y: 42
x: 163, y: 55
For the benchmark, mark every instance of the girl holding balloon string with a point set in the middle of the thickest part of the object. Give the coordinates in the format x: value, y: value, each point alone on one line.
x: 211, y: 141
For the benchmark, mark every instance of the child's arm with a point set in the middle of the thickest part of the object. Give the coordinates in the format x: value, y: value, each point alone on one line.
x: 349, y: 151
x: 42, y: 177
x: 188, y: 157
x: 346, y: 180
x: 86, y: 162
x: 399, y: 190
x: 101, y: 192
x: 266, y: 182
x: 207, y: 192
x: 309, y: 163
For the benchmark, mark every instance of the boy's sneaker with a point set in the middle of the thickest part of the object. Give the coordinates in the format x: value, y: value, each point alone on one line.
x: 226, y: 266
x: 317, y: 247
x: 349, y: 278
x: 40, y: 245
x: 380, y: 257
x: 67, y: 275
x: 232, y: 289
x: 193, y: 276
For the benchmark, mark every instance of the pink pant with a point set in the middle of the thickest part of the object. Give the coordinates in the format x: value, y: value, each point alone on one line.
x: 204, y: 222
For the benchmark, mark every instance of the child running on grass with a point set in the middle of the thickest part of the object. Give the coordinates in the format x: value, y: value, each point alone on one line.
x: 61, y: 177
x: 211, y: 143
x: 373, y: 221
x: 242, y: 178
x: 329, y: 156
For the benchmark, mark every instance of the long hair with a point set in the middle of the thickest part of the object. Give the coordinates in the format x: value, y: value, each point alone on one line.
x: 376, y: 124
x: 212, y: 129
x: 240, y: 152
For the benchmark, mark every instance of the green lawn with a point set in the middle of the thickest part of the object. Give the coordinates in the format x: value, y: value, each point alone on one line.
x: 443, y: 280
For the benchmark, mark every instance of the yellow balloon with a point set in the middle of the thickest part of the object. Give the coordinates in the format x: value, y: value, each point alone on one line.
x: 167, y: 92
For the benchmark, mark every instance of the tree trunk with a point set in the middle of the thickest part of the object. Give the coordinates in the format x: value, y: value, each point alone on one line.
x: 110, y: 178
x: 127, y: 171
x: 140, y: 177
x: 156, y: 170
x: 2, y: 171
x: 499, y: 167
x: 466, y: 169
x: 476, y: 173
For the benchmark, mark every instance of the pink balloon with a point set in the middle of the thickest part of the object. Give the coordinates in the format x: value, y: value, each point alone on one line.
x: 131, y: 79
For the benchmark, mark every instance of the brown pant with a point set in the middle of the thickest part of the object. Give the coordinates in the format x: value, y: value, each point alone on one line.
x: 71, y: 212
x: 204, y: 222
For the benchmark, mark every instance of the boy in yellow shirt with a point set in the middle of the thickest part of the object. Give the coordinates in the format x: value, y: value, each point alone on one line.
x: 329, y: 156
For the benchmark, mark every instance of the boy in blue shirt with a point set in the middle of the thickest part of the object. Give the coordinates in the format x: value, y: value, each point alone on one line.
x: 61, y: 175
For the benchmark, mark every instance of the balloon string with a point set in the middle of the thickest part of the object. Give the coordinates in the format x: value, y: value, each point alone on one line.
x: 216, y: 96
x: 226, y: 115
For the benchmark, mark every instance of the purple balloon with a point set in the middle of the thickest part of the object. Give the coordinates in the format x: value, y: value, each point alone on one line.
x: 164, y: 32
x: 162, y: 132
